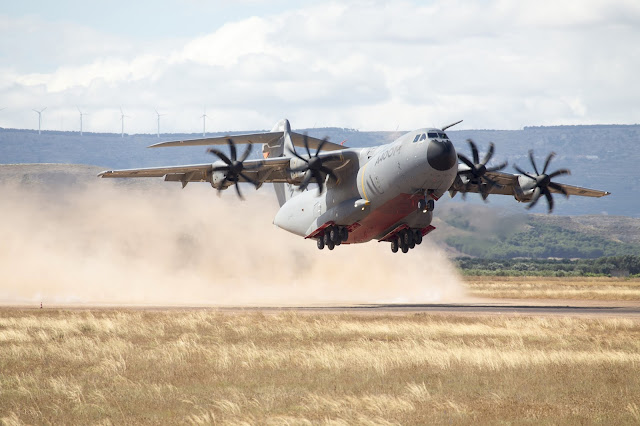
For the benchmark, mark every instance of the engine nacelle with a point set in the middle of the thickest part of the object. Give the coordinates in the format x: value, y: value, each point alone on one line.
x: 523, y: 191
x: 218, y: 177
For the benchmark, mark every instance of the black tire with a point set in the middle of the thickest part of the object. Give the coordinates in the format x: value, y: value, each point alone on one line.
x: 338, y: 242
x: 344, y: 234
x: 422, y: 205
x: 394, y: 245
x: 405, y: 237
x: 431, y: 205
x: 320, y: 242
x: 325, y: 238
x: 418, y: 237
x: 330, y: 246
x: 334, y: 234
x: 405, y: 248
x: 412, y: 245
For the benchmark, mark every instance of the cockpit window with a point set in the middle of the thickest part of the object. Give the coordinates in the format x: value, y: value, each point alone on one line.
x: 416, y: 138
x: 443, y: 135
x: 423, y: 137
x: 433, y: 135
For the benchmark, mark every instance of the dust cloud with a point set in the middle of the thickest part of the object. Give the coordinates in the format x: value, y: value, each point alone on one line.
x: 106, y: 243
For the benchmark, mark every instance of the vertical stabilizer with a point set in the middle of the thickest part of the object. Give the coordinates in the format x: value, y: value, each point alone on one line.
x: 282, y: 148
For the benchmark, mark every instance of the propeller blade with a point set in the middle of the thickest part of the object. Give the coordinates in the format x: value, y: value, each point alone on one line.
x: 533, y: 162
x: 232, y: 147
x: 560, y: 173
x: 466, y: 161
x: 248, y: 179
x: 498, y: 167
x: 305, y: 181
x: 522, y: 172
x: 247, y: 151
x: 489, y: 154
x: 559, y: 188
x: 292, y: 152
x: 318, y: 178
x: 220, y: 155
x: 474, y: 151
x: 549, y: 199
x: 546, y: 163
x: 238, y: 190
x: 306, y: 144
x: 493, y: 182
x: 536, y: 196
x: 329, y: 172
x: 324, y: 140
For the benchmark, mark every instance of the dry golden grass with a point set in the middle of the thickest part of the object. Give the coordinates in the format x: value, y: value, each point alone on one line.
x: 207, y: 367
x: 598, y: 288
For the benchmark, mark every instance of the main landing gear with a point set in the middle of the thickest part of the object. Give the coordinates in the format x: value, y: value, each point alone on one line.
x: 333, y: 236
x: 406, y: 239
x: 426, y: 205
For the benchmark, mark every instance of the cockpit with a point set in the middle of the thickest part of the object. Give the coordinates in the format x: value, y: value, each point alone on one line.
x: 430, y: 135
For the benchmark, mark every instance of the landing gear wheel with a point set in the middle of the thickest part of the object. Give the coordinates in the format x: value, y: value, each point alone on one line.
x: 431, y: 205
x: 407, y: 237
x: 330, y: 246
x: 334, y: 235
x: 418, y: 237
x: 320, y: 242
x: 422, y: 205
x: 394, y: 245
x: 338, y: 242
x: 412, y: 245
x: 405, y: 248
x: 344, y: 234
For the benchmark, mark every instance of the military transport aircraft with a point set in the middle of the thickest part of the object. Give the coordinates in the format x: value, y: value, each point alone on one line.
x: 386, y: 192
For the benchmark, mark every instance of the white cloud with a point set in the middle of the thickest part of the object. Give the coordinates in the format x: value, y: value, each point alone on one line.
x: 370, y: 65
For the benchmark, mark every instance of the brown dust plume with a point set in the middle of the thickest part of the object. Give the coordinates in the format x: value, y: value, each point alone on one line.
x: 104, y: 242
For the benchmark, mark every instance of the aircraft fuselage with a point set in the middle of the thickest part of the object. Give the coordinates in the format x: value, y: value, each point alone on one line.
x: 378, y: 189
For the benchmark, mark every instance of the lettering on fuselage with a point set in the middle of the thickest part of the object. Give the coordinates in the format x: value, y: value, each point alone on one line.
x: 388, y: 154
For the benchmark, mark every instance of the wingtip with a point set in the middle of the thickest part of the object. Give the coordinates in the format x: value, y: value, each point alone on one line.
x: 103, y: 174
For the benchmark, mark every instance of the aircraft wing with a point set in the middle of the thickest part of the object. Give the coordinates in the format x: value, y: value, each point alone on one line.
x: 510, y: 185
x: 271, y: 170
x: 258, y: 138
x: 268, y: 170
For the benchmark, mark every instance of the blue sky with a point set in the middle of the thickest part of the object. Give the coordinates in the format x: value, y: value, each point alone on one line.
x: 364, y: 64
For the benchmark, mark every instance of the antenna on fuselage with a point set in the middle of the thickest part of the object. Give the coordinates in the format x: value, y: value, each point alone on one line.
x: 451, y: 125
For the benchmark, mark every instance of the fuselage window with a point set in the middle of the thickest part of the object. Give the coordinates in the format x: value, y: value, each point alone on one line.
x: 433, y: 135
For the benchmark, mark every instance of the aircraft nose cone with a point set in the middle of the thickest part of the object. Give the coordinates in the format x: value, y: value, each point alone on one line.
x: 441, y: 154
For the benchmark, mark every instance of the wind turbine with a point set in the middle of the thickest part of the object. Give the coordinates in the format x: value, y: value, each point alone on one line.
x: 81, y: 114
x: 39, y: 117
x: 204, y: 123
x: 122, y: 117
x: 159, y: 115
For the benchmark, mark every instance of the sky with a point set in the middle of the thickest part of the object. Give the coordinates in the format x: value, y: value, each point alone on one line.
x: 366, y: 65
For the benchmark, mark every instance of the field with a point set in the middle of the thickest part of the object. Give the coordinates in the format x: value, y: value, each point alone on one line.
x: 203, y: 366
x: 575, y: 288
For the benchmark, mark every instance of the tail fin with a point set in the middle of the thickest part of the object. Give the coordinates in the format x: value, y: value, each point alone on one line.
x: 282, y: 148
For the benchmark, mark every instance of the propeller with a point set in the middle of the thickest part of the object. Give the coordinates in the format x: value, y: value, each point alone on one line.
x: 477, y: 170
x: 543, y: 181
x: 234, y: 167
x: 314, y: 167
